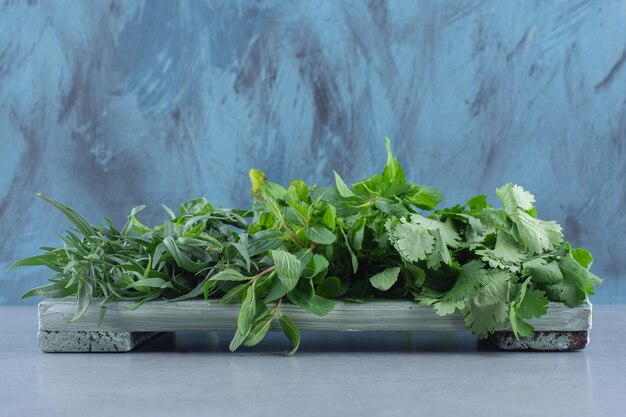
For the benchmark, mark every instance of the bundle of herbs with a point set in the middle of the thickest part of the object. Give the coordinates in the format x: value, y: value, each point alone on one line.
x: 310, y: 245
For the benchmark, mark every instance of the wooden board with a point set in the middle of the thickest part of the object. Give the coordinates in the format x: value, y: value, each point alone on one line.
x: 563, y: 328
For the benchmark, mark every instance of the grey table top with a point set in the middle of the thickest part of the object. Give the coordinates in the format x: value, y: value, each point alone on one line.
x: 333, y: 374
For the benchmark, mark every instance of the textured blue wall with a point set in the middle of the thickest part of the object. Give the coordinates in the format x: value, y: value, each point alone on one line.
x: 106, y: 104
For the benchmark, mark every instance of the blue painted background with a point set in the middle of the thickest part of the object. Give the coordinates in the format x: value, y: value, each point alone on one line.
x: 105, y: 105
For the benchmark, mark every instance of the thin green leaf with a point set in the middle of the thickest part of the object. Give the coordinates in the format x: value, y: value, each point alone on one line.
x: 81, y: 224
x: 83, y: 297
x: 229, y: 275
x: 258, y: 332
x: 292, y: 333
x: 343, y: 189
x: 288, y: 267
x: 321, y: 235
x: 247, y: 312
x: 385, y: 279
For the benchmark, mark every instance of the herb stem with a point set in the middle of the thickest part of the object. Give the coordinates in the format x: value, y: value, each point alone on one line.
x: 264, y: 272
x: 291, y: 233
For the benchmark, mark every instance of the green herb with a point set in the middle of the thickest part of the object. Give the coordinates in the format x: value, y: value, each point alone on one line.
x: 380, y: 237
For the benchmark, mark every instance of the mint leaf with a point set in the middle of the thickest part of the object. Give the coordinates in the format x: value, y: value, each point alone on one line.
x: 292, y: 333
x: 257, y: 178
x: 385, y: 279
x: 234, y: 295
x: 330, y: 217
x: 311, y: 302
x: 425, y: 197
x: 393, y: 177
x: 276, y: 290
x: 288, y: 268
x: 321, y: 235
x: 478, y: 203
x: 343, y: 189
x: 300, y: 189
x: 229, y: 275
x: 247, y: 312
x: 237, y: 340
x: 331, y: 287
x: 316, y: 265
x: 258, y: 332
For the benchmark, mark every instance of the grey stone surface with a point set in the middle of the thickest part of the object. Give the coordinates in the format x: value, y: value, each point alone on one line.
x: 549, y: 341
x: 90, y: 341
x: 346, y: 374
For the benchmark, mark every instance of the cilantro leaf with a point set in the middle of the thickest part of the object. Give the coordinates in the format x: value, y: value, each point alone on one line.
x: 542, y: 272
x: 534, y: 234
x: 448, y: 233
x: 412, y: 241
x: 472, y: 276
x: 488, y: 308
x: 583, y: 257
x: 585, y: 280
x: 507, y: 254
x: 515, y: 198
x: 441, y: 254
x: 534, y: 304
x: 525, y: 304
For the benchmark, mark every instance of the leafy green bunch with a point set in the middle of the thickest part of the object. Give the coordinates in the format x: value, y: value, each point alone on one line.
x: 380, y: 237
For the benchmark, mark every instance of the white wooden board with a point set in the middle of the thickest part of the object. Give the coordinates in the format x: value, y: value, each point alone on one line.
x: 210, y: 315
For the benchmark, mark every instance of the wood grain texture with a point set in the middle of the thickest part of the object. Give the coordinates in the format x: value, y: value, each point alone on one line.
x: 209, y: 315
